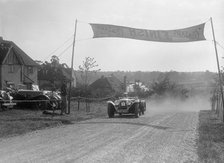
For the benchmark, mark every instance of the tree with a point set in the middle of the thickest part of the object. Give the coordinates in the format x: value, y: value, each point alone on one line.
x: 55, y: 61
x: 52, y: 71
x: 88, y: 65
x: 164, y: 87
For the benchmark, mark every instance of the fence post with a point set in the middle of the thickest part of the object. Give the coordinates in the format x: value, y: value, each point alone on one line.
x: 221, y: 110
x: 218, y: 107
x: 78, y: 103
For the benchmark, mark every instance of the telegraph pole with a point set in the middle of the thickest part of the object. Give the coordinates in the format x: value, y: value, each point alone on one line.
x: 70, y: 83
x: 217, y: 60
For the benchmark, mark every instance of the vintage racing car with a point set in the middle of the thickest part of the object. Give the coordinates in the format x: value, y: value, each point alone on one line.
x: 126, y: 105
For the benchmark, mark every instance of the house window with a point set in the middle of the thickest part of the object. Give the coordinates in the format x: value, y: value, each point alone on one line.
x: 30, y: 70
x: 11, y: 68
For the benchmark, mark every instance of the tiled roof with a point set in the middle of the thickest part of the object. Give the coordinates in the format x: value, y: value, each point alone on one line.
x: 6, y: 46
x: 115, y: 83
x: 108, y: 82
x: 3, y: 51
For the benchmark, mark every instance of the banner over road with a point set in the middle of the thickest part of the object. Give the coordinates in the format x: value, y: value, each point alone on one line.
x: 194, y: 33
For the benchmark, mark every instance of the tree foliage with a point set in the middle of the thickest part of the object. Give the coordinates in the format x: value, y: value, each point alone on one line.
x: 55, y: 61
x: 88, y: 65
x: 164, y: 87
x: 52, y: 71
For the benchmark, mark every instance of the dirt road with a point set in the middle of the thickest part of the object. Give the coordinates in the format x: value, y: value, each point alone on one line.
x: 166, y: 137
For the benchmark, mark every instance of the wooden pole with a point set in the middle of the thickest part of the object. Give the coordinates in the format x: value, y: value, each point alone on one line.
x: 70, y: 83
x: 217, y: 60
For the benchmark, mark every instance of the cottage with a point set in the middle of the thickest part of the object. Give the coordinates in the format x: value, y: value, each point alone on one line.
x: 16, y: 67
x: 106, y: 86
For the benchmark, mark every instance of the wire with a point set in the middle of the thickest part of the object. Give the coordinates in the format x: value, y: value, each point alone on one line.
x: 82, y: 22
x: 64, y: 50
x: 84, y: 39
x: 59, y: 47
x: 71, y: 45
x: 219, y: 45
x: 207, y: 20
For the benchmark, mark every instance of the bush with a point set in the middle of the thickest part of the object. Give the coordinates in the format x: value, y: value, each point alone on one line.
x: 165, y: 87
x: 81, y: 91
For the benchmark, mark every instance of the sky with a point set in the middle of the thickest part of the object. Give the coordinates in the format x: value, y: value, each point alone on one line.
x: 43, y: 28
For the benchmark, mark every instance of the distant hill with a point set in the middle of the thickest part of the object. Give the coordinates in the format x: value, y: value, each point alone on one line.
x: 149, y: 77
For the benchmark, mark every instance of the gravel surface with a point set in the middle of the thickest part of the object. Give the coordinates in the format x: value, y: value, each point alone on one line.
x: 165, y: 137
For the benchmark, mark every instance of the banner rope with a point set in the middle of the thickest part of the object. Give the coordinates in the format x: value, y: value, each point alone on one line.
x: 208, y: 20
x: 64, y: 50
x: 219, y: 44
x: 59, y: 47
x: 83, y: 22
x: 89, y: 38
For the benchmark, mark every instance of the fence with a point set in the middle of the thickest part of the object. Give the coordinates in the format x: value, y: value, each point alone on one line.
x: 88, y: 101
x: 78, y: 99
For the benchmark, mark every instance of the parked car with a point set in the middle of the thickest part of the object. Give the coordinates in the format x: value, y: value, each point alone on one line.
x: 43, y: 100
x: 6, y: 100
x: 126, y: 105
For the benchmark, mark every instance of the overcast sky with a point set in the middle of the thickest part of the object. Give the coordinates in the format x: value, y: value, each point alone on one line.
x: 43, y: 28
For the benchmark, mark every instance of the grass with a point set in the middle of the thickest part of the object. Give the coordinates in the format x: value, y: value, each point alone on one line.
x: 20, y: 121
x: 211, y: 138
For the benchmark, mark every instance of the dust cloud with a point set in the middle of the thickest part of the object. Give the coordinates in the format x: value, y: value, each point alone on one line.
x: 171, y: 104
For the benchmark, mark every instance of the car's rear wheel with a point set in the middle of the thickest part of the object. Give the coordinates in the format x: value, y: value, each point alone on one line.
x: 40, y: 105
x: 110, y: 111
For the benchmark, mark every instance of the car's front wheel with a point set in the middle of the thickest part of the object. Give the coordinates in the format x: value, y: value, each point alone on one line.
x: 110, y: 111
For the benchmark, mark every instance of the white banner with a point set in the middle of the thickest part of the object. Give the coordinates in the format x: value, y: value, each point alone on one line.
x: 194, y: 33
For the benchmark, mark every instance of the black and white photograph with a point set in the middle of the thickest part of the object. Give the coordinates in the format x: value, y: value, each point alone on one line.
x: 111, y: 81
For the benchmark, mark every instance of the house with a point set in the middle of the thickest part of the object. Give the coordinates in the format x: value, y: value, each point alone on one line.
x: 106, y: 86
x: 131, y: 86
x: 16, y: 67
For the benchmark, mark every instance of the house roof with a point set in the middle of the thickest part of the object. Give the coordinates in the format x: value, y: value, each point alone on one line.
x: 107, y: 82
x: 4, y: 49
x: 7, y: 46
x: 115, y: 83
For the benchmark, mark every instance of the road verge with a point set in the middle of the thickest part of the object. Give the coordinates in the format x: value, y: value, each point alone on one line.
x: 211, y: 137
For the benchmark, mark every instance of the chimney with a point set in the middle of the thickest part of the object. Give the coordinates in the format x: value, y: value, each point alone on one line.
x: 1, y: 38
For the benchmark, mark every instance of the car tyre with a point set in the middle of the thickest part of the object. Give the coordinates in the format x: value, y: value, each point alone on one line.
x: 40, y: 105
x: 110, y: 111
